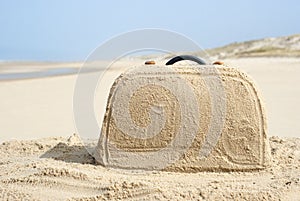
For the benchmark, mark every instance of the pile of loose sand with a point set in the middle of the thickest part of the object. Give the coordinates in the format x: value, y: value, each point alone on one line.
x: 62, y: 169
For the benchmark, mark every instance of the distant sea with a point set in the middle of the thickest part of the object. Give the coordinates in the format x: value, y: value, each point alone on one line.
x: 37, y: 74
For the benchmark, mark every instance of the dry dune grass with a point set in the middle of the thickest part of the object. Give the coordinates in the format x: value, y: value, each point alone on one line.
x: 288, y: 46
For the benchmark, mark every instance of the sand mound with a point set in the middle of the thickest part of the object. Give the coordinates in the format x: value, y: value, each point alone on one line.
x: 184, y: 119
x: 61, y: 169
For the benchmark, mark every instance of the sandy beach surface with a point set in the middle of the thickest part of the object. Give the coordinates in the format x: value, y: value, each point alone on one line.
x: 40, y: 161
x: 43, y: 107
x: 62, y: 169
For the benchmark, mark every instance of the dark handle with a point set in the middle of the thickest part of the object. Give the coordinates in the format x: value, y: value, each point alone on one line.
x: 186, y: 57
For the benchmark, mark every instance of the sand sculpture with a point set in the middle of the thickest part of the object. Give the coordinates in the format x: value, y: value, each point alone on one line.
x: 184, y: 118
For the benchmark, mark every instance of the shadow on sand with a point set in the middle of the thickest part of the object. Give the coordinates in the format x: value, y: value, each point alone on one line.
x: 69, y: 154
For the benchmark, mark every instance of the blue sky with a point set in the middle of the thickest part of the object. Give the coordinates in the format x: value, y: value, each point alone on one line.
x: 66, y: 30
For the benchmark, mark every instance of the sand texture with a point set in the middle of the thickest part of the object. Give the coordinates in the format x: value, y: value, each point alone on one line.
x: 184, y: 119
x: 61, y: 169
x: 38, y: 166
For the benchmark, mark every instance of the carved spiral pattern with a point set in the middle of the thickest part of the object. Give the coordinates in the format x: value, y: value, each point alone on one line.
x: 153, y: 120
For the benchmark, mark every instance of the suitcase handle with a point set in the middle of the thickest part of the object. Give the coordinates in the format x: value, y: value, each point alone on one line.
x: 186, y: 57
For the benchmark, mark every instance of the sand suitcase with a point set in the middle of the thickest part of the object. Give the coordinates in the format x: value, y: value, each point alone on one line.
x: 186, y: 118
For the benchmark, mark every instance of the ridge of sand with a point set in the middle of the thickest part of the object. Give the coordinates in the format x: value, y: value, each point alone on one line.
x: 62, y: 169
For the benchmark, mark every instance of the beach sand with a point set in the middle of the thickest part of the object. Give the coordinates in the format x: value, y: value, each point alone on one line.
x: 43, y: 107
x: 61, y: 169
x: 39, y: 161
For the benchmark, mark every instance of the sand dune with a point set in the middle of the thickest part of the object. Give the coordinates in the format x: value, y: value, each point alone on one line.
x: 287, y: 46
